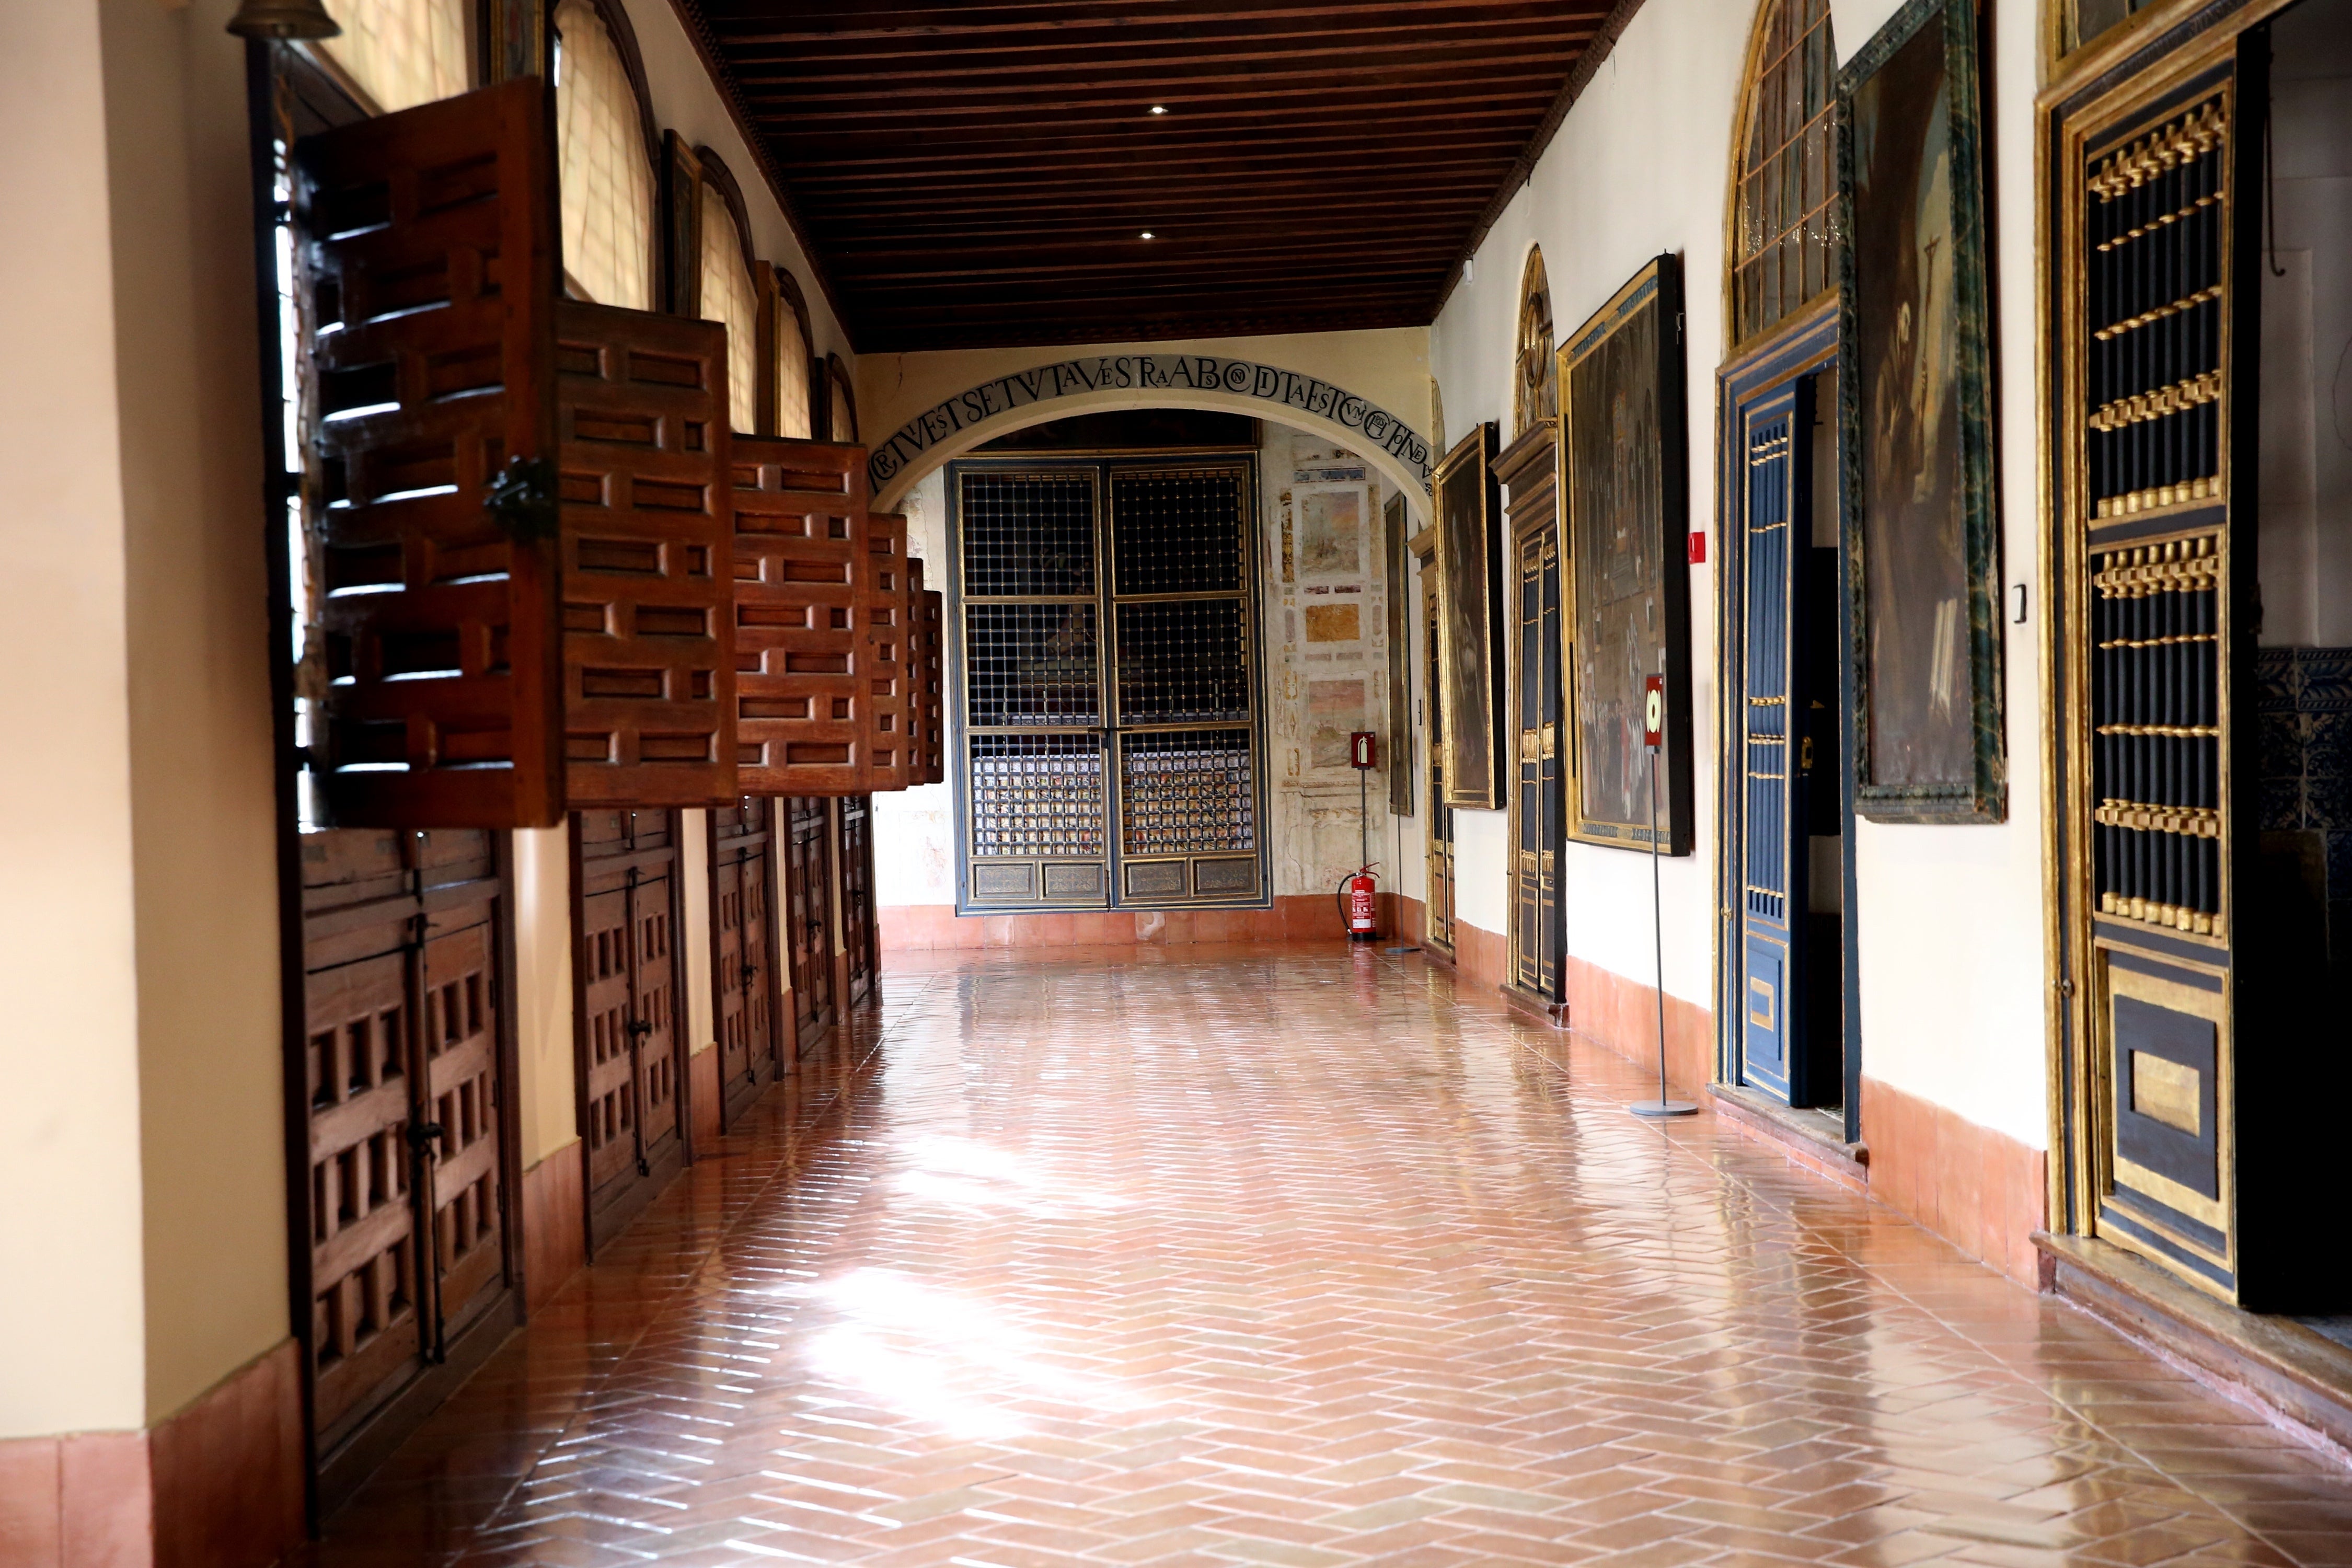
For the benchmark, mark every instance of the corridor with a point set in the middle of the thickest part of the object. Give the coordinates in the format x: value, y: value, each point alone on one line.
x: 1290, y: 1255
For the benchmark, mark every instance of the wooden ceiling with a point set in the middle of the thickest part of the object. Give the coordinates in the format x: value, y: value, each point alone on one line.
x: 982, y: 173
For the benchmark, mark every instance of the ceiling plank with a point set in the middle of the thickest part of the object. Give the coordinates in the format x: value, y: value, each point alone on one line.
x: 981, y: 174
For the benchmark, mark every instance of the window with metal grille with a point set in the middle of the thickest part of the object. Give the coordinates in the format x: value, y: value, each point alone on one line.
x: 1087, y: 744
x: 1787, y: 233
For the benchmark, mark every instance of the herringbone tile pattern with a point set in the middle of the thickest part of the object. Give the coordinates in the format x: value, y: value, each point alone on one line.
x: 1287, y: 1256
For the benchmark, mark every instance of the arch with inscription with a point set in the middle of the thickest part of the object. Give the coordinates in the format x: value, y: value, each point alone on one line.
x: 1003, y: 404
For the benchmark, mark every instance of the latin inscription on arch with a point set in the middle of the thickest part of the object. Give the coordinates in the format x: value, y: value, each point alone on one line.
x: 1192, y: 373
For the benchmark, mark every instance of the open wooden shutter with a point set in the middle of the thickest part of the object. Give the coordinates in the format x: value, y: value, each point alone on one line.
x: 923, y: 714
x: 649, y: 549
x: 801, y: 554
x: 428, y: 263
x: 934, y: 651
x: 882, y: 594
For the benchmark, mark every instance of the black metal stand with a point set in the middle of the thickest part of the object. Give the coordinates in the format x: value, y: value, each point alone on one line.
x: 1661, y: 1106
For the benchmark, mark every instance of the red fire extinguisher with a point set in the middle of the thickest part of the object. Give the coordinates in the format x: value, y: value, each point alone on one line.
x: 1363, y: 924
x: 1359, y: 893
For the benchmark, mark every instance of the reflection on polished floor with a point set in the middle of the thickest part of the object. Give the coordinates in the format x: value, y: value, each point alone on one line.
x: 1290, y: 1256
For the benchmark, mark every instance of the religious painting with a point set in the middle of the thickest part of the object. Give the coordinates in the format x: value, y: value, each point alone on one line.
x: 1469, y: 645
x: 1400, y: 728
x: 1921, y: 538
x: 1330, y: 530
x: 1624, y: 478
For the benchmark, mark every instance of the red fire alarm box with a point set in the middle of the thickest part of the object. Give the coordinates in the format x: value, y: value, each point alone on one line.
x: 1697, y: 548
x: 1653, y: 711
x: 1363, y: 749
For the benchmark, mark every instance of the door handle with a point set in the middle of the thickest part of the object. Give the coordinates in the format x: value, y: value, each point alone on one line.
x: 421, y: 1133
x: 749, y: 971
x: 639, y: 1027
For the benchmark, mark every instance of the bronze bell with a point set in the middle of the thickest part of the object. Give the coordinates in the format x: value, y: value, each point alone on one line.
x: 283, y: 19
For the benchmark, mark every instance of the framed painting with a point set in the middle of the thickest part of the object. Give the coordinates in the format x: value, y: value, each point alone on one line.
x: 1922, y: 538
x: 1393, y: 530
x: 1469, y: 647
x: 1625, y: 487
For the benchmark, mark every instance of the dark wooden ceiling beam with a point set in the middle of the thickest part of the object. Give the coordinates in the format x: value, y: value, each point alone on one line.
x: 1135, y: 55
x: 979, y: 173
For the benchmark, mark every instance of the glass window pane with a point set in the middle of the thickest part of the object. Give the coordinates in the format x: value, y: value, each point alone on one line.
x: 401, y: 53
x: 729, y: 299
x: 607, y: 183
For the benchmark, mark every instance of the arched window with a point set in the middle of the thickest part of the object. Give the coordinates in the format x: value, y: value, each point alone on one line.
x: 604, y: 156
x: 842, y: 409
x: 1785, y: 243
x: 1537, y: 396
x: 728, y: 294
x: 402, y: 53
x: 796, y: 409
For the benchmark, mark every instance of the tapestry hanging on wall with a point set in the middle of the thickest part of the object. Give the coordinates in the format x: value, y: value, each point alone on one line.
x: 1922, y: 549
x: 1470, y: 654
x: 1624, y: 480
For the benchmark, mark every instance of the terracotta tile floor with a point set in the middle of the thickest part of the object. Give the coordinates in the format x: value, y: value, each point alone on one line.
x: 1286, y: 1256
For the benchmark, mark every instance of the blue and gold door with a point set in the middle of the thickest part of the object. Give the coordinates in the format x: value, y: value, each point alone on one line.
x: 1771, y: 891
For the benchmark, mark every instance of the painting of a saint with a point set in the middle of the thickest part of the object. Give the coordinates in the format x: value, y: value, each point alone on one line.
x: 1914, y: 551
x: 1621, y: 402
x: 1470, y: 664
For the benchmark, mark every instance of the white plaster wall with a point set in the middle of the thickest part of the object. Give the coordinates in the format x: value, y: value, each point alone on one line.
x: 914, y: 829
x: 71, y: 1352
x: 1949, y: 917
x: 1639, y: 167
x: 1951, y: 950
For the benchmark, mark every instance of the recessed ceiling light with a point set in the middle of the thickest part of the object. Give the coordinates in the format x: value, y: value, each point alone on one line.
x: 1159, y: 108
x: 1148, y: 234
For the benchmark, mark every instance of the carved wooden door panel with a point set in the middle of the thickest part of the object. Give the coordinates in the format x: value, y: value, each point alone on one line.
x: 401, y: 1072
x: 858, y: 894
x: 428, y: 269
x: 801, y: 553
x: 654, y: 979
x: 626, y: 1034
x: 742, y: 965
x: 808, y: 915
x: 367, y: 1330
x: 612, y: 1094
x: 647, y: 559
x: 458, y: 1029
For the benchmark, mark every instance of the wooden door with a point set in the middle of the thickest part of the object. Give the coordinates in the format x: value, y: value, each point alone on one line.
x: 426, y: 269
x: 856, y: 862
x: 1437, y: 909
x: 402, y: 1074
x: 626, y: 1034
x: 808, y: 916
x: 743, y: 941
